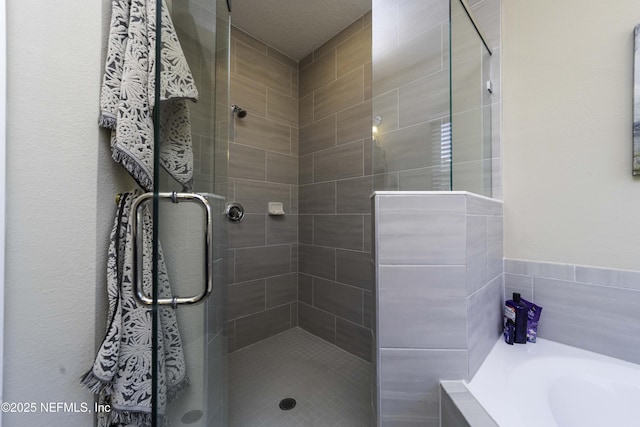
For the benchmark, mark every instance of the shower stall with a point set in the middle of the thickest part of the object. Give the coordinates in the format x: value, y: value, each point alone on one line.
x: 278, y: 245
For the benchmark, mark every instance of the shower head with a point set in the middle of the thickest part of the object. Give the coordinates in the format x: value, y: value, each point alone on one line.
x: 241, y: 113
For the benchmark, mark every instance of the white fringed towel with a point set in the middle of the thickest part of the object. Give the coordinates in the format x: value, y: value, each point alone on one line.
x: 122, y: 371
x: 127, y: 96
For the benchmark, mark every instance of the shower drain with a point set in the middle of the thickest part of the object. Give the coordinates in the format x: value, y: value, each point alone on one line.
x: 287, y: 403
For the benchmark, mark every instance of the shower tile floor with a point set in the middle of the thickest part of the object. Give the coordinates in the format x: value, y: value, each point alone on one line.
x: 331, y: 386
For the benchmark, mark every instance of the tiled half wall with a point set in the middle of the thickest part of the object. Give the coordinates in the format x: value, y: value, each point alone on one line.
x: 439, y: 292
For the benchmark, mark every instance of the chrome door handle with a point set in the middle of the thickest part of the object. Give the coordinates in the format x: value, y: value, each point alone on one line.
x: 175, y: 197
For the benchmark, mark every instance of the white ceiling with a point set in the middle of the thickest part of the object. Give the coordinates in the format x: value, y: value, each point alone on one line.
x: 296, y: 27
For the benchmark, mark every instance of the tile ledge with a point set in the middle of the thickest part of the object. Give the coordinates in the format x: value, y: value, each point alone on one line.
x: 438, y: 193
x: 572, y: 265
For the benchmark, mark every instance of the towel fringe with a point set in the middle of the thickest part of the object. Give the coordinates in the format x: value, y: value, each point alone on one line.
x: 107, y: 121
x: 138, y: 172
x: 119, y: 417
x: 177, y: 390
x: 94, y: 384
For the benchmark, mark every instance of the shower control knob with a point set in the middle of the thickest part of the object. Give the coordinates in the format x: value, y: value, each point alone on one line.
x: 234, y: 212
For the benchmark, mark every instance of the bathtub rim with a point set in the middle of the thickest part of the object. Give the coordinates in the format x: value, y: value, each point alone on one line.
x: 460, y: 408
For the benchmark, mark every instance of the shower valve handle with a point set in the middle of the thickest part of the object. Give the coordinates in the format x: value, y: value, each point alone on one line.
x: 234, y: 212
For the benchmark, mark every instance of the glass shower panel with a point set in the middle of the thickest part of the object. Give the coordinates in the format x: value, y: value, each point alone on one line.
x: 470, y: 104
x: 188, y: 205
x: 411, y: 132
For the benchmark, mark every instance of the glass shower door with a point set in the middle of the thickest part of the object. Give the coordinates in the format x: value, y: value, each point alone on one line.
x: 187, y: 205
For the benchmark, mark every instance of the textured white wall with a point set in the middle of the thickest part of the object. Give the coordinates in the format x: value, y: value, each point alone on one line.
x: 3, y: 141
x: 567, y: 136
x: 60, y: 189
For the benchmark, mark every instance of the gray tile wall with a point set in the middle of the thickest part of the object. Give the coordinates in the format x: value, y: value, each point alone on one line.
x: 318, y: 262
x: 335, y: 182
x: 263, y: 167
x: 439, y: 295
x: 588, y: 307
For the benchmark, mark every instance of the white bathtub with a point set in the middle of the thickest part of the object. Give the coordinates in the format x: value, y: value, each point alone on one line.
x: 547, y: 384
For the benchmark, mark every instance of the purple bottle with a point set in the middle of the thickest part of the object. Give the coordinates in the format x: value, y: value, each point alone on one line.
x: 516, y: 313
